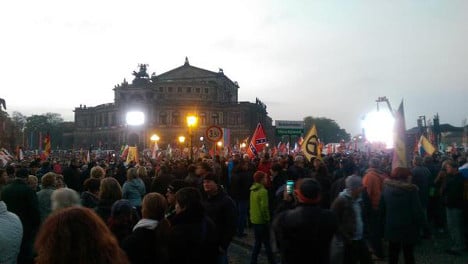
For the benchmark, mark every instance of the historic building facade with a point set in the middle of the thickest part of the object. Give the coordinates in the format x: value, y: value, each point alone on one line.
x: 165, y: 101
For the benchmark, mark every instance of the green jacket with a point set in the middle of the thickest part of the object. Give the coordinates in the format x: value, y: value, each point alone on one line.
x: 259, y: 209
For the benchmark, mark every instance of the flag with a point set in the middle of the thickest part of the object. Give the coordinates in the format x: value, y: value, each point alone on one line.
x: 258, y: 141
x: 425, y: 147
x: 399, y: 147
x: 300, y: 141
x: 310, y: 146
x: 124, y: 152
x: 132, y: 155
x: 155, y: 150
x: 19, y: 153
x: 46, y: 153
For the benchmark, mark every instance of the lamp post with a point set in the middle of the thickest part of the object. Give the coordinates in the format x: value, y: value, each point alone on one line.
x: 191, y: 123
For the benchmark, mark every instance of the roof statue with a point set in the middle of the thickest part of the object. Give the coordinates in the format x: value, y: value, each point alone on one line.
x: 2, y: 103
x: 141, y: 77
x: 186, y: 61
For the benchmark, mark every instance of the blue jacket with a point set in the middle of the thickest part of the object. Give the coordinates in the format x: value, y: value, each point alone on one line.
x: 133, y: 191
x: 11, y: 233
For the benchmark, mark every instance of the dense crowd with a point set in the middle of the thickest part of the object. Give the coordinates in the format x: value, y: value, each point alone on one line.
x: 342, y: 208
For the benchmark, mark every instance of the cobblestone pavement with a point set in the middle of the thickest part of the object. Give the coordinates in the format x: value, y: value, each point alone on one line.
x: 426, y: 252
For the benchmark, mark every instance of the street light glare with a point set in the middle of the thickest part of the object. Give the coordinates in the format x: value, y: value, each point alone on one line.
x: 191, y: 120
x: 135, y: 118
x: 220, y: 143
x: 378, y: 127
x: 181, y: 139
x: 154, y: 137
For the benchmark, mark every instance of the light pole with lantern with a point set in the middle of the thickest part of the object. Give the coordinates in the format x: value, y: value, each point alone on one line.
x: 155, y: 138
x: 191, y: 123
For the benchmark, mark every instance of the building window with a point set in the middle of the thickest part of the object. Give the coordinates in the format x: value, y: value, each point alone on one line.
x: 203, y: 119
x: 215, y: 118
x: 197, y: 90
x: 206, y: 90
x: 179, y: 89
x: 161, y: 89
x: 169, y: 89
x: 176, y: 118
x: 163, y: 118
x: 189, y: 89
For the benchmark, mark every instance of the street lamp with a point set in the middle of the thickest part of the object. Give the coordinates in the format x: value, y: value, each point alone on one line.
x: 191, y: 123
x: 181, y: 139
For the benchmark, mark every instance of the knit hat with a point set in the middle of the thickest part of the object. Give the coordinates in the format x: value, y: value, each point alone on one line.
x: 353, y: 182
x: 176, y: 185
x: 211, y: 177
x: 308, y: 191
x: 121, y: 207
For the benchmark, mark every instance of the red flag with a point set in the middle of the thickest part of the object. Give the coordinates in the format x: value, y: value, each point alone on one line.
x: 258, y: 141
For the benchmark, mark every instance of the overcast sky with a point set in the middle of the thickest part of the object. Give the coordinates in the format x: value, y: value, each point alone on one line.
x: 301, y: 58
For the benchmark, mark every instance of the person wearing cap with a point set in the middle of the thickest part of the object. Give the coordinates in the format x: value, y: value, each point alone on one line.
x: 305, y: 231
x: 221, y: 209
x: 260, y: 216
x: 122, y: 219
x: 349, y: 209
x: 402, y: 215
x: 22, y: 201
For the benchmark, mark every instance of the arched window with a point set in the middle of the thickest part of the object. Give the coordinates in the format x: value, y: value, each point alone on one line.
x: 163, y: 118
x: 176, y: 118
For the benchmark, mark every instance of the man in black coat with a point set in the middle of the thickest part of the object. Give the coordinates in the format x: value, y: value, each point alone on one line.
x: 22, y: 201
x: 304, y: 233
x: 72, y: 176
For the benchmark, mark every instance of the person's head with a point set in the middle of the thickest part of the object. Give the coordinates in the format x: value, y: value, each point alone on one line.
x: 451, y: 167
x: 400, y: 174
x: 188, y: 198
x: 121, y: 211
x: 307, y: 191
x: 49, y: 180
x: 22, y: 173
x: 59, y: 181
x: 348, y: 166
x: 259, y: 177
x: 299, y: 161
x: 154, y: 206
x: 77, y: 235
x: 110, y: 189
x: 203, y: 168
x: 97, y: 172
x: 142, y: 172
x: 417, y: 161
x: 92, y: 185
x: 354, y: 185
x: 63, y: 198
x: 172, y: 188
x: 374, y: 163
x: 32, y: 182
x: 132, y: 174
x: 276, y: 169
x: 210, y: 183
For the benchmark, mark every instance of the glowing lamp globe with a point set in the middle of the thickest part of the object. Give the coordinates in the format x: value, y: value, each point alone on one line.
x: 135, y: 118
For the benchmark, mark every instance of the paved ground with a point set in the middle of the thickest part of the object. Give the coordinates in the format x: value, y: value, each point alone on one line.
x: 427, y: 252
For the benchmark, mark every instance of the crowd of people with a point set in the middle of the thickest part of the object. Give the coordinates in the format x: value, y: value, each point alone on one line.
x: 343, y: 208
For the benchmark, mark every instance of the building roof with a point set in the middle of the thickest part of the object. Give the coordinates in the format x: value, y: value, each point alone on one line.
x: 187, y: 71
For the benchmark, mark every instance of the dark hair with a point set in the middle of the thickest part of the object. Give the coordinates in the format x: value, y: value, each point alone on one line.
x: 277, y: 167
x: 204, y: 165
x: 92, y: 184
x: 190, y: 199
x: 77, y: 226
x: 154, y: 206
x: 110, y: 189
x: 22, y: 173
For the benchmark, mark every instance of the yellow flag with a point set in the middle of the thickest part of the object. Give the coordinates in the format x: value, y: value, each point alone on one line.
x: 310, y: 146
x: 426, y: 145
x: 132, y: 154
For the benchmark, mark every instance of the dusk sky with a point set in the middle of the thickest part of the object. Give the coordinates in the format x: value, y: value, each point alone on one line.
x: 301, y: 58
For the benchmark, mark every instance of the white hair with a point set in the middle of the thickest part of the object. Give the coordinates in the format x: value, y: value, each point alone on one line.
x: 63, y: 198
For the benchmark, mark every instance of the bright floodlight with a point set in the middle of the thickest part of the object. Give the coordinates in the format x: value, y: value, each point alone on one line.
x: 135, y: 118
x: 378, y: 127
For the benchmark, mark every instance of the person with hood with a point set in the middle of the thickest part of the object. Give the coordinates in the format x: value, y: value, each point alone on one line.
x: 402, y: 215
x: 260, y: 216
x: 133, y: 189
x: 349, y: 209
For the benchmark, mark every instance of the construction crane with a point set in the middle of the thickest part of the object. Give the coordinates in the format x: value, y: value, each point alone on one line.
x: 385, y: 99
